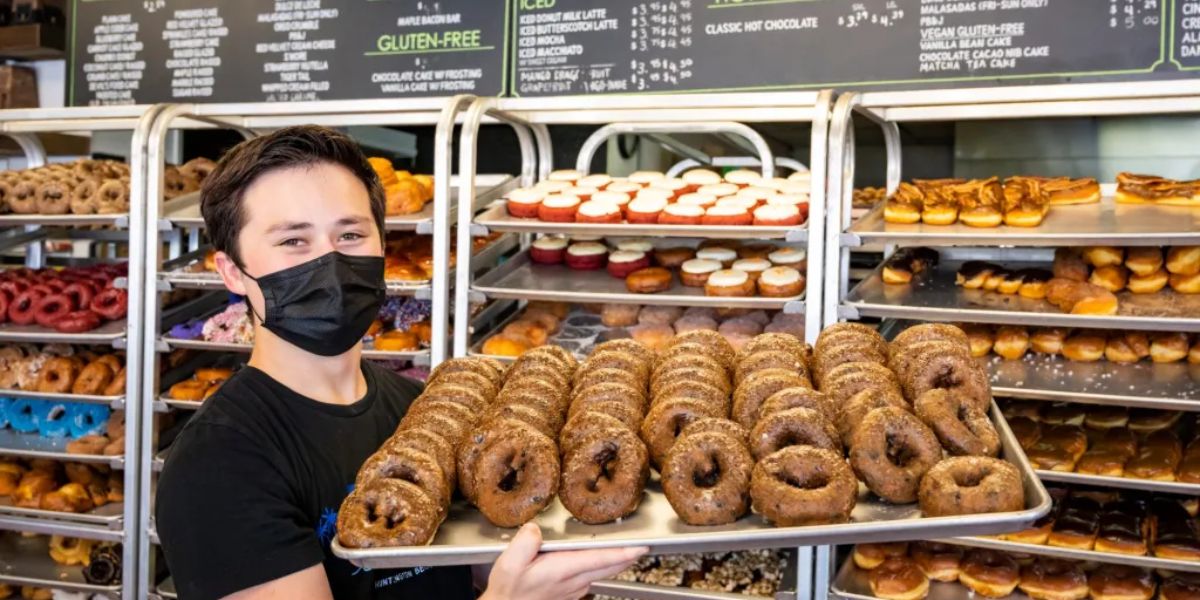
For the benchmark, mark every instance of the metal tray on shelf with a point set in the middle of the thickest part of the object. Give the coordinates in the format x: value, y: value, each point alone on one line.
x: 26, y: 561
x: 1079, y: 225
x: 114, y: 402
x: 105, y: 334
x: 496, y: 218
x: 32, y: 445
x: 180, y: 404
x: 466, y: 537
x: 1128, y: 483
x: 1174, y: 386
x: 119, y: 220
x: 851, y: 584
x: 935, y: 297
x: 521, y: 279
x: 579, y: 333
x: 1146, y: 562
x: 109, y: 515
x: 229, y: 347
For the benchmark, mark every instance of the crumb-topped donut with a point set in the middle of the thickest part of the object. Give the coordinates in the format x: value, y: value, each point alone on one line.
x: 516, y: 476
x: 771, y: 359
x: 891, y: 451
x: 962, y: 428
x: 604, y: 475
x: 750, y: 395
x: 793, y: 427
x: 706, y: 478
x: 666, y: 420
x: 971, y: 485
x: 413, y: 466
x: 387, y: 512
x: 798, y: 397
x: 802, y: 485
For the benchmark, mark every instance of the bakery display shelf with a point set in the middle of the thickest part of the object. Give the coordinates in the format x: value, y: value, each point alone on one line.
x: 466, y: 537
x: 521, y: 279
x: 32, y: 445
x: 1106, y: 223
x: 119, y: 220
x: 1173, y: 386
x: 935, y: 297
x: 106, y: 333
x: 1145, y: 562
x: 113, y: 402
x: 578, y: 333
x: 415, y: 355
x: 26, y: 561
x: 1128, y: 483
x: 184, y: 211
x: 108, y: 516
x: 851, y: 583
x: 496, y: 218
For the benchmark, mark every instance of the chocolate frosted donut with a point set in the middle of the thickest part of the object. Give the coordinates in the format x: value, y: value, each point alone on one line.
x: 797, y: 397
x: 750, y: 395
x: 628, y: 345
x: 516, y: 476
x: 770, y: 359
x: 411, y: 465
x: 717, y: 425
x: 695, y: 390
x: 583, y: 424
x: 970, y: 485
x: 665, y: 422
x: 716, y: 379
x: 793, y: 427
x: 891, y: 451
x: 802, y: 485
x: 706, y: 478
x: 604, y: 475
x: 962, y: 428
x: 387, y: 512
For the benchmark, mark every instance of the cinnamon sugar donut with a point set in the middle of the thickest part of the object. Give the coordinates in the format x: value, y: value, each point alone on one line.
x: 802, y: 485
x: 387, y: 512
x: 793, y: 427
x: 706, y: 479
x: 604, y: 474
x: 891, y: 451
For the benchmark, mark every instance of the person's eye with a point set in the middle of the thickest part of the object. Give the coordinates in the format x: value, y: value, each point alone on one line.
x: 291, y: 242
x: 351, y: 236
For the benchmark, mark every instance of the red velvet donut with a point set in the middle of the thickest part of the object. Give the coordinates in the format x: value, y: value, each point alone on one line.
x: 110, y: 303
x: 5, y: 300
x: 77, y: 321
x: 20, y: 311
x: 50, y: 308
x: 56, y: 284
x: 13, y: 287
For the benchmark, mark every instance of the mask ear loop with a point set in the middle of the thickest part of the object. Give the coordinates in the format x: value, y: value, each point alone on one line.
x: 249, y: 304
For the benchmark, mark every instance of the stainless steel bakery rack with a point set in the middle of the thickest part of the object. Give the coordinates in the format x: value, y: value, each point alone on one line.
x: 1125, y: 483
x: 26, y: 561
x: 1145, y: 562
x: 113, y: 522
x: 851, y: 584
x: 933, y: 297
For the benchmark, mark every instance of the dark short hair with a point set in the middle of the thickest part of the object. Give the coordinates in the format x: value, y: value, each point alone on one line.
x: 223, y: 190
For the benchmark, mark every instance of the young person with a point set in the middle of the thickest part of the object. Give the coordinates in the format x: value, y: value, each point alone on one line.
x: 247, y: 502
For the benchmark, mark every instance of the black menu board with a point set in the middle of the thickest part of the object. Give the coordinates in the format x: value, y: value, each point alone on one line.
x: 145, y: 51
x: 622, y: 46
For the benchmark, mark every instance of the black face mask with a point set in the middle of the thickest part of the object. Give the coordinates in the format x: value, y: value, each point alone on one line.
x: 326, y: 305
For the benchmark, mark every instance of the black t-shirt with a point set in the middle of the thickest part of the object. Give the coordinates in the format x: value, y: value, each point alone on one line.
x: 252, y: 486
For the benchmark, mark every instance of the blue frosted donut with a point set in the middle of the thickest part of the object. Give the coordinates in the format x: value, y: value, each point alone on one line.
x: 86, y: 419
x: 21, y: 415
x: 4, y: 402
x: 53, y: 419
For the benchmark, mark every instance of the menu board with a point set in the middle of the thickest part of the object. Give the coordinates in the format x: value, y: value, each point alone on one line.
x: 623, y: 46
x: 146, y: 51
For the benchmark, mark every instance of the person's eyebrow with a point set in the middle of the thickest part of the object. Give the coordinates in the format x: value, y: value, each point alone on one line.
x: 288, y: 226
x: 352, y: 220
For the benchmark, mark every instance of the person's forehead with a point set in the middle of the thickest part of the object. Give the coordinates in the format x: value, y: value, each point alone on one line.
x: 305, y: 192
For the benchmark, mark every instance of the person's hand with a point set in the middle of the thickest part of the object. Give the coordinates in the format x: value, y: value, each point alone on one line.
x: 521, y: 574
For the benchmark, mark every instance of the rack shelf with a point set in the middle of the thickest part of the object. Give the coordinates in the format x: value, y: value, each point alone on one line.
x: 32, y: 445
x: 1174, y: 386
x: 26, y: 561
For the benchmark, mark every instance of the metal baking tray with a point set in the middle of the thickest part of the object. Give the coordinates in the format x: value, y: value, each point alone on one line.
x: 184, y: 211
x: 415, y: 355
x: 496, y: 218
x: 1128, y: 483
x: 119, y: 220
x: 1078, y: 225
x: 107, y: 333
x: 521, y: 279
x: 32, y: 445
x: 851, y: 584
x: 466, y: 537
x: 578, y: 334
x: 1174, y: 386
x: 26, y: 561
x: 114, y: 402
x: 110, y: 515
x: 1146, y: 562
x: 180, y: 404
x: 934, y: 297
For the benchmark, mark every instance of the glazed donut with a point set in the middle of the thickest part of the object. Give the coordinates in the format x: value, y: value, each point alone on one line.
x: 20, y: 310
x: 70, y: 551
x: 706, y: 478
x: 793, y: 427
x: 516, y: 476
x: 1122, y: 582
x: 604, y: 475
x: 666, y: 420
x: 939, y: 562
x: 110, y: 303
x: 112, y: 197
x: 770, y: 359
x: 989, y: 573
x: 189, y: 389
x: 1052, y: 579
x: 53, y: 198
x: 50, y: 308
x: 414, y: 466
x: 83, y: 197
x: 898, y: 578
x: 798, y: 397
x: 23, y: 199
x: 869, y: 556
x: 1012, y: 342
x: 86, y: 168
x: 93, y: 379
x: 57, y: 375
x: 80, y: 293
x: 197, y: 168
x: 891, y: 451
x: 971, y: 485
x: 117, y: 386
x: 209, y: 374
x: 387, y: 512
x: 963, y: 429
x: 802, y: 485
x: 749, y: 397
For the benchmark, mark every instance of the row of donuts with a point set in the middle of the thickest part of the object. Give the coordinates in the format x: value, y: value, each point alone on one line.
x: 61, y: 369
x: 904, y: 571
x: 61, y: 487
x: 68, y: 300
x: 83, y: 187
x: 101, y: 561
x: 52, y: 418
x: 1013, y: 342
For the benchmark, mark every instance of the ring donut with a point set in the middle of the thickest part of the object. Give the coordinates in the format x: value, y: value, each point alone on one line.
x: 198, y: 168
x: 57, y: 375
x: 413, y: 466
x: 891, y: 451
x: 963, y: 429
x: 706, y: 478
x: 548, y: 424
x: 798, y: 397
x: 784, y: 342
x: 93, y: 379
x: 848, y: 379
x: 83, y: 197
x: 51, y: 308
x: 970, y: 485
x: 724, y: 426
x: 926, y: 332
x: 429, y: 442
x: 696, y: 390
x: 471, y: 364
x: 631, y: 346
x: 77, y: 321
x: 666, y: 420
x: 387, y: 512
x: 954, y: 371
x: 53, y: 198
x: 112, y: 197
x: 802, y: 485
x: 191, y: 390
x: 110, y: 303
x: 665, y: 378
x: 20, y: 310
x: 749, y: 397
x: 793, y: 427
x: 80, y: 293
x: 582, y: 425
x: 516, y: 476
x: 604, y: 475
x: 770, y: 359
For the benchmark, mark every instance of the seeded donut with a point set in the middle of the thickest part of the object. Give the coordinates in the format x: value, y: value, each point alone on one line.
x: 717, y: 425
x: 486, y: 387
x: 928, y: 332
x: 448, y: 427
x: 473, y: 399
x: 666, y: 420
x: 545, y: 371
x: 413, y: 466
x: 664, y: 379
x: 547, y: 423
x: 768, y: 342
x: 516, y: 476
x: 608, y: 375
x: 845, y: 333
x: 583, y: 424
x: 695, y: 390
x: 726, y: 361
x: 802, y: 485
x: 963, y: 429
x: 827, y: 361
x: 429, y: 442
x: 857, y: 407
x: 472, y: 364
x: 629, y: 416
x: 631, y: 346
x: 532, y: 386
x: 604, y: 475
x: 609, y: 392
x: 891, y: 451
x: 798, y: 397
x: 559, y: 355
x: 956, y: 372
x: 706, y: 479
x: 458, y: 412
x: 710, y: 339
x: 681, y: 361
x: 793, y: 427
x: 466, y: 458
x: 749, y: 397
x: 387, y: 512
x: 971, y: 485
x: 848, y: 379
x: 770, y: 359
x: 614, y: 359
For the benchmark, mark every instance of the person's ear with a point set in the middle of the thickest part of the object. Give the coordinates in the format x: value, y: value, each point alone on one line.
x: 230, y: 274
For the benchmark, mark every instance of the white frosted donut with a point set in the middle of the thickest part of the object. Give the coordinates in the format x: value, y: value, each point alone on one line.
x: 700, y: 266
x: 728, y: 278
x: 779, y: 276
